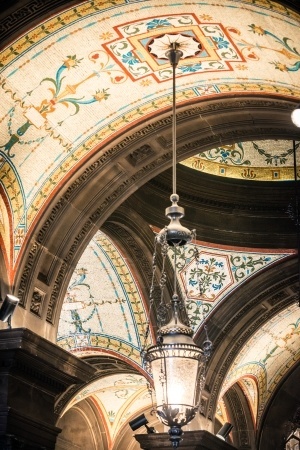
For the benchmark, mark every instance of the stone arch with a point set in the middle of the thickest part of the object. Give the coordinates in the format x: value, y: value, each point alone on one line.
x: 255, y: 303
x: 274, y: 426
x: 52, y: 251
x: 82, y: 428
x: 243, y: 433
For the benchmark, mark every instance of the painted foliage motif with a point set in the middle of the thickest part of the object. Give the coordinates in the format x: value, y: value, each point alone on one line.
x: 259, y: 161
x: 56, y: 81
x: 207, y: 275
x: 103, y: 308
x: 274, y: 346
x: 118, y: 397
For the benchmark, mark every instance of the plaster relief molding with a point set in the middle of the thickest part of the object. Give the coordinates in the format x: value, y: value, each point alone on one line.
x: 278, y: 297
x: 185, y: 197
x: 37, y: 300
x: 64, y: 270
x: 184, y: 151
x: 27, y: 273
x: 89, y: 173
x: 116, y: 178
x: 54, y: 215
x: 230, y: 358
x: 64, y: 399
x: 109, y: 201
x: 140, y: 154
x: 239, y: 415
x: 99, y: 214
x: 231, y: 355
x: 225, y: 137
x: 96, y: 218
x: 128, y: 241
x: 23, y: 15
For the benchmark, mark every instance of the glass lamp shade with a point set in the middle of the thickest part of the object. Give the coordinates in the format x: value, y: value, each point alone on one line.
x: 295, y: 116
x: 176, y: 365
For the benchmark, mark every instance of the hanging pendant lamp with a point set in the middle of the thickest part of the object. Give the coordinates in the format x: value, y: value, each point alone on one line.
x: 176, y: 362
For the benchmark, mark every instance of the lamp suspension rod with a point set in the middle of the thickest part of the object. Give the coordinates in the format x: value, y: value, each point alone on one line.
x: 297, y: 213
x: 173, y: 50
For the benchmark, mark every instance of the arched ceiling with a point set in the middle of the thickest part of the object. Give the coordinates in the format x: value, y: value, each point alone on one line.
x: 86, y: 75
x: 275, y: 345
x: 85, y: 142
x: 103, y: 313
x: 119, y: 397
x: 103, y: 308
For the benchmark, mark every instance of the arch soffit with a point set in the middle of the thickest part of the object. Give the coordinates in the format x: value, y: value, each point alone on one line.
x: 69, y: 63
x: 258, y: 306
x: 108, y: 180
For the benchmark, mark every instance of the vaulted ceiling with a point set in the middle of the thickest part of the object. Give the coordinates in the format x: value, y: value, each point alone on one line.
x: 85, y: 157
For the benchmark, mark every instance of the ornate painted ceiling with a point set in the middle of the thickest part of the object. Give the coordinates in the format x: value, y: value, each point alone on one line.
x: 103, y: 307
x: 103, y: 311
x: 82, y: 80
x: 119, y: 397
x: 85, y: 75
x: 274, y: 345
x: 257, y: 161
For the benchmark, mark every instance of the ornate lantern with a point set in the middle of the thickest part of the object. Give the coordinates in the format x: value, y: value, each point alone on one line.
x: 176, y: 362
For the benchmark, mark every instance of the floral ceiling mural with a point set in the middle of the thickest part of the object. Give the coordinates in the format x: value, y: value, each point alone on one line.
x: 208, y: 274
x: 258, y: 161
x: 275, y: 345
x: 103, y: 308
x: 61, y: 82
x: 60, y: 105
x: 103, y: 312
x: 120, y: 397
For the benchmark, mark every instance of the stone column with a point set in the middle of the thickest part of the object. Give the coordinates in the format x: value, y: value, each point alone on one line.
x: 33, y: 374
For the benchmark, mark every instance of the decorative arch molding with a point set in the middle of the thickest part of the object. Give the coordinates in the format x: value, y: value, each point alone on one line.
x: 243, y: 313
x: 274, y: 426
x: 112, y: 399
x: 82, y: 428
x: 52, y: 251
x: 4, y: 280
x: 106, y: 365
x: 133, y: 238
x: 240, y: 417
x: 5, y: 233
x: 132, y: 233
x: 249, y: 207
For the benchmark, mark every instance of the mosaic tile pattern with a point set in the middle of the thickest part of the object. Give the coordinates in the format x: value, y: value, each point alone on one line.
x: 119, y: 397
x: 60, y: 87
x: 206, y: 280
x: 103, y: 311
x: 103, y: 308
x: 257, y: 161
x: 275, y: 345
x: 60, y: 84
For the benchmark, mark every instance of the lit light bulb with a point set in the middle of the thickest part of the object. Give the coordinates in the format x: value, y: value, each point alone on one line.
x: 295, y: 116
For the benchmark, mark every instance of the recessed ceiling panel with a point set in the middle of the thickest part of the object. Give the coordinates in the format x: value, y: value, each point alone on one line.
x: 268, y: 160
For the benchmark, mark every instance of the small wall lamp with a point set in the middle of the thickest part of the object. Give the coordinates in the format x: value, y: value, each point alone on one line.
x: 224, y: 431
x: 140, y: 421
x: 7, y: 308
